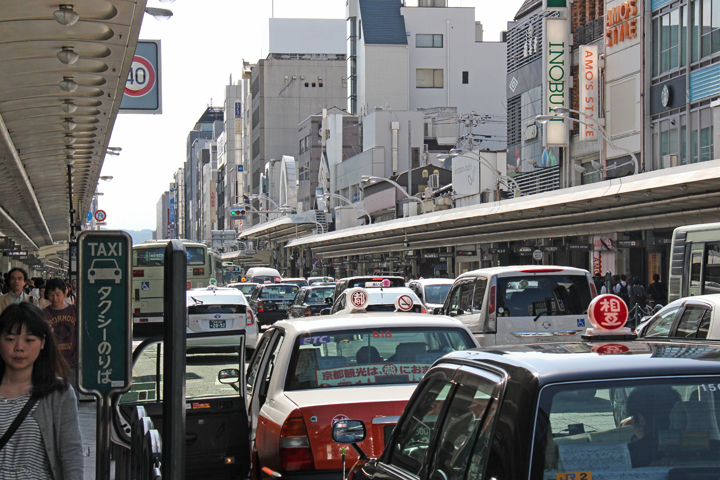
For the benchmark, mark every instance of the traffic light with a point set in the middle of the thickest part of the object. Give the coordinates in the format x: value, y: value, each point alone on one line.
x: 237, y: 212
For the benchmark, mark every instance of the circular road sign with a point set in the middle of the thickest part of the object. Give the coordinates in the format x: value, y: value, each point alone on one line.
x: 537, y: 254
x: 141, y: 78
x: 100, y: 215
x: 358, y: 298
x: 386, y: 282
x: 404, y: 303
x: 314, y: 261
x: 608, y: 312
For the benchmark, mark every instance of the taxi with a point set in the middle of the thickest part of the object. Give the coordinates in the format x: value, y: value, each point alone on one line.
x: 308, y: 373
x: 607, y: 407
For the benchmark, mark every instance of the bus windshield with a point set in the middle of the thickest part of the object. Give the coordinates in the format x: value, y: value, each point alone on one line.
x: 155, y: 256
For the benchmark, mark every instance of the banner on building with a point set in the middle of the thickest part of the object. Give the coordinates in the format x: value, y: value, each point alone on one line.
x: 589, y: 92
x: 556, y: 71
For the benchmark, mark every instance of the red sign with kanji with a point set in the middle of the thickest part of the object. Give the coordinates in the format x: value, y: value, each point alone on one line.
x: 610, y: 349
x: 608, y: 312
x: 359, y: 298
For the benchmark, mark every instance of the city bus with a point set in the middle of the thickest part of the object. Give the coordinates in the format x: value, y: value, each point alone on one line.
x: 148, y: 263
x: 694, y: 261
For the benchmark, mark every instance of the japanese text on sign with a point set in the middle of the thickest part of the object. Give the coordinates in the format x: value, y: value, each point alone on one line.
x: 368, y: 374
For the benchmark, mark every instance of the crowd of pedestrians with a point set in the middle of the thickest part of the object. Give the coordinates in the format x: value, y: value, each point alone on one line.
x: 632, y: 291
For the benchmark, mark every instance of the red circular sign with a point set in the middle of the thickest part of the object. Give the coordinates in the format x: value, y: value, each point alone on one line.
x: 608, y: 312
x: 404, y: 303
x: 100, y: 215
x: 141, y: 78
x: 610, y: 349
x: 359, y: 298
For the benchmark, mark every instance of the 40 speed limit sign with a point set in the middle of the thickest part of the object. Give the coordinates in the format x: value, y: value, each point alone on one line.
x: 143, y: 86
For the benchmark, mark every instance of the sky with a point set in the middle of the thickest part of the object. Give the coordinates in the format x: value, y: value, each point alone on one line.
x: 203, y: 44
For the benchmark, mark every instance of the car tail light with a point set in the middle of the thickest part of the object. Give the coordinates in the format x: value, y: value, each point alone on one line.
x: 593, y: 290
x: 491, y: 326
x: 424, y: 310
x: 278, y: 280
x: 138, y: 273
x: 308, y: 312
x: 260, y: 307
x: 250, y: 318
x: 137, y: 311
x: 198, y: 271
x: 295, y: 453
x: 542, y: 270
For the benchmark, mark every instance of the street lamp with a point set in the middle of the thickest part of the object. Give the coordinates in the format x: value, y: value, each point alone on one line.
x: 340, y: 197
x: 256, y: 196
x: 559, y: 111
x: 456, y: 152
x: 370, y: 178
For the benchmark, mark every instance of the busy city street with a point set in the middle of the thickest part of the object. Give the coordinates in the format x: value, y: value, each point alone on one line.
x: 360, y: 239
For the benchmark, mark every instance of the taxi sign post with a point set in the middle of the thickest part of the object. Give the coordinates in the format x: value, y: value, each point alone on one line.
x: 104, y: 327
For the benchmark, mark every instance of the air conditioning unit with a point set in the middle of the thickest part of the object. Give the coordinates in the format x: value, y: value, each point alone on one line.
x: 530, y: 132
x: 669, y: 161
x: 434, y: 181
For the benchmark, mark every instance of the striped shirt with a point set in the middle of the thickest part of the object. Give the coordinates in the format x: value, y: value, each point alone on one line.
x: 24, y: 456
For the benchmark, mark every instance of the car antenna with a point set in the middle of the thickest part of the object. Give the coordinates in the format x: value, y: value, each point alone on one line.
x: 197, y: 302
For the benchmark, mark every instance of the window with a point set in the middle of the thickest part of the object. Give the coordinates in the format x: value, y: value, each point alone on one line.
x: 461, y: 298
x: 660, y: 327
x: 710, y: 28
x: 690, y: 321
x: 428, y: 41
x: 533, y: 295
x: 429, y: 78
x: 412, y: 444
x: 465, y: 78
x: 668, y: 49
x: 254, y: 367
x: 479, y: 296
x: 711, y: 273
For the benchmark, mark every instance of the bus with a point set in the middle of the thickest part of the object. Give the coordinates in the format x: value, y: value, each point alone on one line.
x: 148, y: 263
x: 694, y: 261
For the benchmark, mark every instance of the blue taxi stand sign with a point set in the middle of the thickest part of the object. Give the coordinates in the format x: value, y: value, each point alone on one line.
x: 104, y: 327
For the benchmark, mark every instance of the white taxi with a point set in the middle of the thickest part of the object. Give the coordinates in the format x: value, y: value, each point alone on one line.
x: 309, y: 373
x: 216, y: 309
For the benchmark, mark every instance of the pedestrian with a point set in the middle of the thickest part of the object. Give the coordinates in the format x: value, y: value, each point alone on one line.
x: 16, y: 294
x: 622, y: 290
x: 35, y: 292
x: 69, y: 295
x: 43, y: 301
x: 63, y: 321
x: 47, y: 444
x: 638, y: 296
x: 657, y: 293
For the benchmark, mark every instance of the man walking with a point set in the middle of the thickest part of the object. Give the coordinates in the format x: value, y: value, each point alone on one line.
x: 17, y: 278
x: 657, y: 291
x: 63, y: 321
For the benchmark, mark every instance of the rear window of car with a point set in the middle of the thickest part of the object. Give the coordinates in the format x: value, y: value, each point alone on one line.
x: 370, y: 356
x: 318, y: 295
x: 280, y: 292
x: 532, y: 295
x: 654, y: 428
x: 375, y: 282
x: 210, y: 309
x: 436, y: 293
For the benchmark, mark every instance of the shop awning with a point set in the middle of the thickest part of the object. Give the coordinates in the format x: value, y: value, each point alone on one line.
x: 660, y: 199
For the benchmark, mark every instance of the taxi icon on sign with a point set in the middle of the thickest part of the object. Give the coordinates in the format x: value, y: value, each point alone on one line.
x: 104, y: 269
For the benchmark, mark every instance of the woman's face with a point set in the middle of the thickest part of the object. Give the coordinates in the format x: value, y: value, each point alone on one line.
x: 20, y: 350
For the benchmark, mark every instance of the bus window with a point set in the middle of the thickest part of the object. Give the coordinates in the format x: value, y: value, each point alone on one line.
x: 695, y: 265
x: 195, y: 256
x: 149, y: 257
x: 711, y: 277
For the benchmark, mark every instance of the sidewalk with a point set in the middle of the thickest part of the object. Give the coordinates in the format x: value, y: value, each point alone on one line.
x: 87, y: 413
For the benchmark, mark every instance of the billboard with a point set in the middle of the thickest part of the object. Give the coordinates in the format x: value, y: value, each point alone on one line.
x: 556, y: 71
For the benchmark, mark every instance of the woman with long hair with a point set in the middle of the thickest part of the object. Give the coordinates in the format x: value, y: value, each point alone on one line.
x: 47, y: 444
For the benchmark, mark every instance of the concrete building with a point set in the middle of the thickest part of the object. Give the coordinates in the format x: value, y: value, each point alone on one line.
x: 163, y: 226
x: 304, y: 72
x: 229, y: 162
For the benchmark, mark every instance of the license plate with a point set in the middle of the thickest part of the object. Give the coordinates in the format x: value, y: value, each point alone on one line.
x: 282, y: 307
x: 217, y: 323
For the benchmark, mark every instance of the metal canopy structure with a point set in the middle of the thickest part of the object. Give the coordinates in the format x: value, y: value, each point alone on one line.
x: 646, y: 201
x: 281, y: 229
x: 60, y: 91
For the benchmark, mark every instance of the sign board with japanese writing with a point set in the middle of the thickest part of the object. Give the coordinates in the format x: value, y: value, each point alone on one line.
x: 104, y: 312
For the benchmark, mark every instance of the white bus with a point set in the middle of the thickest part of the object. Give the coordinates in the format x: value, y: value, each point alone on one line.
x: 694, y: 261
x: 148, y: 262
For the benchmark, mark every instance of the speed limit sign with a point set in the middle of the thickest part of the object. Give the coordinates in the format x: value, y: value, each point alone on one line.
x: 143, y: 86
x: 141, y: 78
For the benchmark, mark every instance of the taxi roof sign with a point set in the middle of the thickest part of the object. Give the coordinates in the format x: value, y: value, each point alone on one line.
x: 608, y: 315
x: 404, y: 303
x: 358, y: 298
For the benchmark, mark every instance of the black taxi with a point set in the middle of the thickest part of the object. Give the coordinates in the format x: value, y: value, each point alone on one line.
x: 606, y: 408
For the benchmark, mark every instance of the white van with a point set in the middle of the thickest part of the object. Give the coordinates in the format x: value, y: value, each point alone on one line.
x: 263, y: 275
x: 522, y: 304
x: 216, y: 309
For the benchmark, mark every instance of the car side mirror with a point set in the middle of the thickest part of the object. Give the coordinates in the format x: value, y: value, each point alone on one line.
x: 228, y: 376
x: 325, y: 311
x: 437, y: 311
x: 348, y: 431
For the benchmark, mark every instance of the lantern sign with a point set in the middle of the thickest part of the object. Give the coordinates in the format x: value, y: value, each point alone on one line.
x: 358, y: 298
x: 608, y: 313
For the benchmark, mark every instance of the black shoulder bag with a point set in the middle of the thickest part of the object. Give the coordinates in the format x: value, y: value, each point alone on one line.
x: 18, y: 420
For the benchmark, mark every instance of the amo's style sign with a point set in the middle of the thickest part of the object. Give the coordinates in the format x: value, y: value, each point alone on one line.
x: 104, y: 312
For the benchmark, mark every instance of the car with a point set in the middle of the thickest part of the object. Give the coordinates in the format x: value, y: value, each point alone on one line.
x: 368, y: 281
x: 601, y: 408
x: 313, y: 280
x: 689, y: 317
x: 104, y: 269
x: 432, y: 291
x: 245, y: 287
x: 300, y: 282
x: 217, y: 309
x: 308, y: 373
x: 271, y: 302
x: 379, y: 300
x: 216, y: 426
x: 263, y: 275
x: 521, y: 304
x: 311, y: 300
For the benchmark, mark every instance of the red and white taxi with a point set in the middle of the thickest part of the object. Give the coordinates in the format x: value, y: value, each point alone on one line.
x: 308, y: 373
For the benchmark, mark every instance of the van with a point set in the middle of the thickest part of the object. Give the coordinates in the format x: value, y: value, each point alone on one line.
x: 263, y: 275
x: 217, y: 309
x: 522, y: 304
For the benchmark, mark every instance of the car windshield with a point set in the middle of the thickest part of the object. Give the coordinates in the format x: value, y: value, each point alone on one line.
x: 532, y: 295
x: 436, y: 293
x: 318, y: 295
x: 651, y: 429
x: 279, y: 292
x: 246, y: 289
x: 370, y: 356
x: 299, y: 283
x: 104, y: 264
